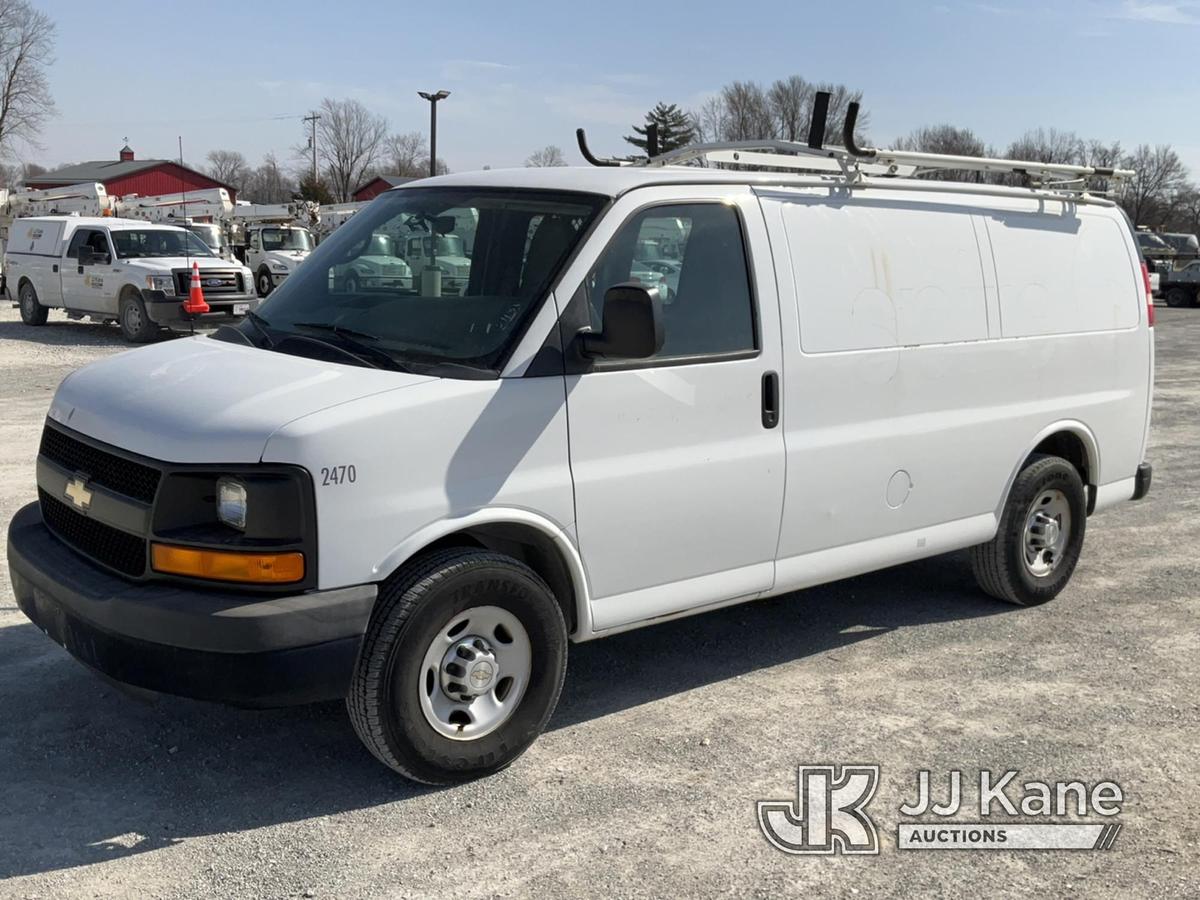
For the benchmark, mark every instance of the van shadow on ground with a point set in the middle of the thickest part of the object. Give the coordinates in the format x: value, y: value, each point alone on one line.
x: 91, y: 774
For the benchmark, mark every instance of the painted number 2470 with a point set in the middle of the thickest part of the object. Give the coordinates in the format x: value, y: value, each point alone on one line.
x: 338, y: 475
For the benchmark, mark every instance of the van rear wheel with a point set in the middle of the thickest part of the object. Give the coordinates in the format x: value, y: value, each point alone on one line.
x: 461, y: 666
x: 1040, y: 537
x: 32, y: 312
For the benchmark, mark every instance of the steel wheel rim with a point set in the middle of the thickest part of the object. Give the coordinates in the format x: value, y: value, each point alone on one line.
x: 264, y: 283
x: 464, y: 697
x: 1047, y: 532
x: 133, y: 317
x: 27, y: 301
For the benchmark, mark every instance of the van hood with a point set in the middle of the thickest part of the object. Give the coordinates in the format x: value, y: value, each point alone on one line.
x: 199, y: 400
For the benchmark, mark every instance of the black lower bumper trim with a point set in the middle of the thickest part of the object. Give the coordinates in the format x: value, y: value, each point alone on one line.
x: 209, y: 644
x: 1141, y: 481
x: 270, y: 679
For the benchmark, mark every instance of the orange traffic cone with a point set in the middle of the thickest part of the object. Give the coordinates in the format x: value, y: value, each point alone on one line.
x: 195, y: 304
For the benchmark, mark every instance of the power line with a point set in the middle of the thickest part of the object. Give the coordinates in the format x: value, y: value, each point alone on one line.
x: 188, y: 121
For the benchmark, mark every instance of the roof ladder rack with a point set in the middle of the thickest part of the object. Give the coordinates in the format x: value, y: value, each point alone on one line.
x: 853, y: 162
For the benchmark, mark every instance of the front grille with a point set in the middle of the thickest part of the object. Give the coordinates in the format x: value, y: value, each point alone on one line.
x: 106, y: 469
x: 212, y: 282
x: 109, y: 546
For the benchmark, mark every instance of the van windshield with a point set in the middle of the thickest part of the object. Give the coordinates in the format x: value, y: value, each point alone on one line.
x: 138, y: 244
x: 428, y: 279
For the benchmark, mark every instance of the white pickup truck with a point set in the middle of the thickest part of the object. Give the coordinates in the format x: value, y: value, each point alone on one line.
x: 108, y: 269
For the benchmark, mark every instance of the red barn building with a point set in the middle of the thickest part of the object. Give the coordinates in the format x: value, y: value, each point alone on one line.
x: 378, y: 185
x: 126, y: 175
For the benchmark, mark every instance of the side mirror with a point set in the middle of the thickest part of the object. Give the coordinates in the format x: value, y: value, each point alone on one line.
x: 632, y: 326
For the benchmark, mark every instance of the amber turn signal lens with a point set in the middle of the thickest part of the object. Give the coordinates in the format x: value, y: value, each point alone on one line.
x: 218, y: 565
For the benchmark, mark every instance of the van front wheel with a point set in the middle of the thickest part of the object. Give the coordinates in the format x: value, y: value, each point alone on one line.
x: 1040, y: 537
x: 32, y: 312
x: 461, y: 666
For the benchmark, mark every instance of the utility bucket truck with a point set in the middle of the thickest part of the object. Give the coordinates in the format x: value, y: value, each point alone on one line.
x: 273, y: 239
x: 207, y: 214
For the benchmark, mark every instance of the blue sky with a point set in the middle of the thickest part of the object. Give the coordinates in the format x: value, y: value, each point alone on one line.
x: 526, y: 74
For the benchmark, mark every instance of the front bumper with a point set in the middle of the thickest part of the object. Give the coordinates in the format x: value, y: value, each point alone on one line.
x: 246, y: 650
x: 168, y: 310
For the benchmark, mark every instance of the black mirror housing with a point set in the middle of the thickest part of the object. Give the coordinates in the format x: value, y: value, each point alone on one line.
x: 632, y: 326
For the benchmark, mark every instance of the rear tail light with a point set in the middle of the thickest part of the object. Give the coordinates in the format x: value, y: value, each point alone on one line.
x: 1149, y: 294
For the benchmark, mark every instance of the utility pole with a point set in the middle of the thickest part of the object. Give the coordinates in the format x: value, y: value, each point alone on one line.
x: 312, y: 117
x: 433, y: 102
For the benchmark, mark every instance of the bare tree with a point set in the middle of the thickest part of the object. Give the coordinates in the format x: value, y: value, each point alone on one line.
x: 350, y: 141
x: 1159, y: 181
x: 1049, y: 145
x: 406, y: 155
x: 949, y: 140
x: 547, y: 157
x: 228, y: 167
x: 269, y: 183
x: 790, y: 102
x: 26, y: 45
x: 745, y: 111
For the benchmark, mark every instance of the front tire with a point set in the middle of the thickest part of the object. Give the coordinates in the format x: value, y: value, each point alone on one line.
x: 136, y: 326
x: 263, y: 283
x: 461, y: 666
x: 32, y: 312
x: 1040, y: 537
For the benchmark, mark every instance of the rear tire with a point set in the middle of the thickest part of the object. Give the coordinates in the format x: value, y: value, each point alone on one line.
x: 32, y: 312
x: 136, y: 326
x: 1178, y: 297
x: 403, y: 701
x: 1040, y: 537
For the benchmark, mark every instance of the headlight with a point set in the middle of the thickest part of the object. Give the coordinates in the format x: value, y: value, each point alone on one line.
x: 278, y: 266
x: 231, y: 503
x: 164, y: 283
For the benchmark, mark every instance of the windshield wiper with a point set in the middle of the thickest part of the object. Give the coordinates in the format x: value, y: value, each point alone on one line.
x: 260, y: 325
x: 352, y: 341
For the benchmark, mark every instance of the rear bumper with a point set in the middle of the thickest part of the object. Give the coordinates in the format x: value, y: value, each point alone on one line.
x: 206, y: 644
x: 168, y: 311
x: 1141, y: 481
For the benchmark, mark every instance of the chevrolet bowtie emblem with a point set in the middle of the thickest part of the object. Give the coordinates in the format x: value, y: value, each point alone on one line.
x: 78, y: 493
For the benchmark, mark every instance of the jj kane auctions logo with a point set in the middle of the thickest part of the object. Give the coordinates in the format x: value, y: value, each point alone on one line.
x: 829, y: 813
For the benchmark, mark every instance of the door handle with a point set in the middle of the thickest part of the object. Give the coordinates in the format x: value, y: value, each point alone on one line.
x: 770, y: 399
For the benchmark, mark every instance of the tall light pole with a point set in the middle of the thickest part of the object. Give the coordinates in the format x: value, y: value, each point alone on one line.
x: 433, y: 102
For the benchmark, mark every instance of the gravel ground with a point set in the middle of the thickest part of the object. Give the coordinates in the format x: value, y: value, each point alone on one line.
x: 646, y: 781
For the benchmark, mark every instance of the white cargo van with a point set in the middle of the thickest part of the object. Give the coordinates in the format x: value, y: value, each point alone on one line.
x: 124, y: 270
x: 415, y: 500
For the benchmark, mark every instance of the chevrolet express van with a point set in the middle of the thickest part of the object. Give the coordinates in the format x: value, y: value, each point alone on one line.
x: 416, y: 498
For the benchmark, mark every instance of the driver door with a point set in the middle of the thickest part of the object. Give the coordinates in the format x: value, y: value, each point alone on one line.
x: 678, y: 460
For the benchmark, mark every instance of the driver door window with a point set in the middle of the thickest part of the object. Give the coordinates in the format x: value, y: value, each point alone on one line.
x: 694, y: 256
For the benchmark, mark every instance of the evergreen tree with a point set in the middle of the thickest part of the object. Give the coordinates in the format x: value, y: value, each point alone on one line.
x: 675, y: 128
